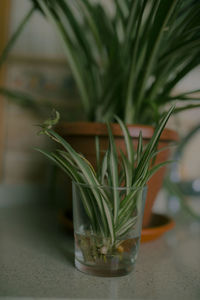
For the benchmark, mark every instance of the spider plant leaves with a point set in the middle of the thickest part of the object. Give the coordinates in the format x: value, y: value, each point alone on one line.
x: 91, y: 180
x: 52, y: 121
x: 133, y: 75
x: 147, y: 154
x: 22, y: 99
x: 127, y: 202
x: 163, y: 14
x: 128, y: 172
x: 104, y: 167
x: 186, y: 96
x: 15, y: 35
x: 120, y: 20
x: 122, y: 7
x: 97, y: 147
x: 126, y: 227
x: 68, y: 159
x: 128, y: 141
x: 83, y: 49
x: 139, y: 147
x: 50, y: 157
x: 89, y: 17
x: 138, y: 54
x: 64, y: 163
x: 88, y: 163
x: 75, y: 28
x: 157, y: 167
x: 73, y: 61
x: 76, y: 177
x: 110, y: 208
x: 113, y: 167
x: 166, y: 148
x: 186, y: 107
x: 132, y: 19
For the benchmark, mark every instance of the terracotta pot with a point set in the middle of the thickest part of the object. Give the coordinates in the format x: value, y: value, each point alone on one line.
x: 81, y: 135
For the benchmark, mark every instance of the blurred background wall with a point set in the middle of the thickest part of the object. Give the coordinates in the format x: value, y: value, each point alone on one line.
x: 37, y: 66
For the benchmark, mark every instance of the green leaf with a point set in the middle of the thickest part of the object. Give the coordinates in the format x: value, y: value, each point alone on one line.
x: 128, y: 170
x: 113, y: 167
x: 110, y: 209
x: 15, y: 35
x: 104, y: 167
x: 88, y: 10
x: 20, y: 98
x: 139, y: 147
x: 164, y: 12
x: 127, y: 204
x: 73, y: 61
x: 126, y: 227
x: 128, y: 141
x: 91, y: 180
x: 147, y: 154
x: 154, y: 169
x: 97, y: 146
x: 186, y: 107
x: 87, y: 205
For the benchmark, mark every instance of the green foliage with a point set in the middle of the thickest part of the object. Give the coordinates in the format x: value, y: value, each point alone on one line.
x: 110, y: 210
x: 126, y: 63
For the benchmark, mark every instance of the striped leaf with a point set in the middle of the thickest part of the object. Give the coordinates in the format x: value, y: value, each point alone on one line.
x: 127, y: 172
x: 97, y: 147
x: 113, y: 168
x: 126, y: 227
x: 147, y: 154
x: 157, y: 167
x: 139, y: 147
x: 104, y: 168
x: 112, y: 210
x: 99, y: 194
x: 128, y: 141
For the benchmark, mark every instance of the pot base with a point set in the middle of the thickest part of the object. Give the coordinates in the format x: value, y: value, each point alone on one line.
x: 102, y: 272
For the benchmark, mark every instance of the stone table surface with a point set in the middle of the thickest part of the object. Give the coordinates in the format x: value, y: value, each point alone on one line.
x: 36, y: 257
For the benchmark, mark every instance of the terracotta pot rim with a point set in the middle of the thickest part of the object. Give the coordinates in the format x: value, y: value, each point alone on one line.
x: 96, y: 128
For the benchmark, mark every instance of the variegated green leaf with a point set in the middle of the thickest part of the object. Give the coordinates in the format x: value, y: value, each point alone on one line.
x: 128, y: 170
x: 113, y: 168
x: 128, y: 141
x: 139, y: 147
x: 126, y: 227
x: 97, y: 147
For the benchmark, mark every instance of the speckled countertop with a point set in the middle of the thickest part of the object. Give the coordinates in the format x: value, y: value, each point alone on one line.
x: 36, y: 258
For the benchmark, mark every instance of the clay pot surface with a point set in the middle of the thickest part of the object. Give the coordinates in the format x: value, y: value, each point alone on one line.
x: 81, y: 136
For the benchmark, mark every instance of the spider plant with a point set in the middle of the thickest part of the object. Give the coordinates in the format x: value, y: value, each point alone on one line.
x: 110, y: 212
x: 127, y: 63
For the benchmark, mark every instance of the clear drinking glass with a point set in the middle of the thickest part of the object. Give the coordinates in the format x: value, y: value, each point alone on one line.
x: 95, y: 253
